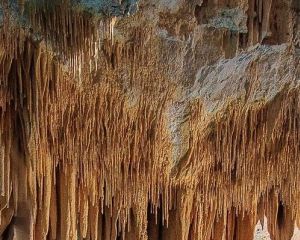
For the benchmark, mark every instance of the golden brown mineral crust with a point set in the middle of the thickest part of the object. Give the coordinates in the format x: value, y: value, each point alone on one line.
x: 161, y: 119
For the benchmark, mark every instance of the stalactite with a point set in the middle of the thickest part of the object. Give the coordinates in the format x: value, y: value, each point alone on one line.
x: 269, y: 22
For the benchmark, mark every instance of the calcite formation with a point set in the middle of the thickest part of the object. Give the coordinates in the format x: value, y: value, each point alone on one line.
x: 149, y: 119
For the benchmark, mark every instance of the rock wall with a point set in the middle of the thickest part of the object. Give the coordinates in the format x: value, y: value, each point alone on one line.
x: 150, y: 119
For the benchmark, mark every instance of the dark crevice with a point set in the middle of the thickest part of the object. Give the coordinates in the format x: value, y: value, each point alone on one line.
x: 102, y: 225
x: 200, y: 12
x: 280, y: 215
x: 7, y: 232
x: 155, y: 224
x: 279, y: 23
x: 57, y: 189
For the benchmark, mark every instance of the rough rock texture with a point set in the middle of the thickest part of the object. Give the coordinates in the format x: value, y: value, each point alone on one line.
x: 149, y: 119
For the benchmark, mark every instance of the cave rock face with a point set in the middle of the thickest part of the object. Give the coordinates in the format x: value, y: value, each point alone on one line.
x: 149, y: 119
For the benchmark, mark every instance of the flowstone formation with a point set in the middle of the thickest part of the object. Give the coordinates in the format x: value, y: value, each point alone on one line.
x: 149, y: 119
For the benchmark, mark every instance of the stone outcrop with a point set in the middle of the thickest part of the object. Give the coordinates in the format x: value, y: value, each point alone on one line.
x: 149, y: 119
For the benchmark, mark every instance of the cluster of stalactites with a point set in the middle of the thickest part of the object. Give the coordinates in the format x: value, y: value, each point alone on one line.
x: 245, y: 162
x: 73, y: 156
x: 92, y: 162
x: 268, y: 22
x: 74, y: 36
